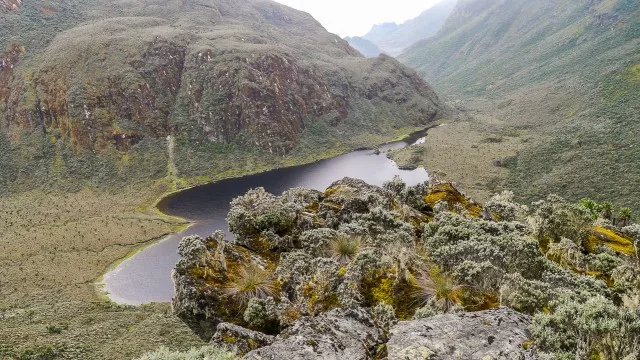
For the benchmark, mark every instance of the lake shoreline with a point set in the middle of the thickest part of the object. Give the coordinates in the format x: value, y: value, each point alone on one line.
x: 157, y: 207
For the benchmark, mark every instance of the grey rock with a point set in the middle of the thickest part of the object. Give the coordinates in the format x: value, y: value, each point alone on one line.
x: 496, y: 334
x: 243, y: 340
x: 338, y: 334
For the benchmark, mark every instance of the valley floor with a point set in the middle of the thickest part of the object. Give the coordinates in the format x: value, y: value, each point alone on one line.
x: 471, y: 149
x: 54, y: 246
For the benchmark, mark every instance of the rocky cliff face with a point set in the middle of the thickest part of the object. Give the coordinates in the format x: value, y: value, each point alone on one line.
x: 256, y: 74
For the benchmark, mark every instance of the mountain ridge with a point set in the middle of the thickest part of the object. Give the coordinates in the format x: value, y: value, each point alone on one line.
x: 394, y: 38
x: 560, y: 79
x: 228, y: 79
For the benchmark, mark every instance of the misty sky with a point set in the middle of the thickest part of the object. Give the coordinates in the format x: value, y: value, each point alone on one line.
x: 356, y: 17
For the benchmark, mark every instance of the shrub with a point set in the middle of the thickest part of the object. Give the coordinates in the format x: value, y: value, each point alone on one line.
x: 384, y: 315
x: 344, y: 248
x: 261, y: 314
x: 527, y: 296
x: 503, y: 206
x: 193, y: 252
x: 587, y: 327
x: 555, y: 219
x: 251, y: 282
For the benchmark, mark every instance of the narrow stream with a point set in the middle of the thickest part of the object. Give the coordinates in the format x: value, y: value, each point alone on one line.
x: 146, y: 276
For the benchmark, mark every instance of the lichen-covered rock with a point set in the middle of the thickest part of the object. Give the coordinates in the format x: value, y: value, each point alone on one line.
x: 202, y: 299
x: 240, y: 339
x: 497, y: 334
x: 338, y: 334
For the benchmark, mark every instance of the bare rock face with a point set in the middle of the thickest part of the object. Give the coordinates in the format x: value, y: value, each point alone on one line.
x: 241, y: 339
x: 497, y: 334
x: 250, y: 72
x: 339, y: 334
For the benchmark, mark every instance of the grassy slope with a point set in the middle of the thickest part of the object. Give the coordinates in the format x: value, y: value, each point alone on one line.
x: 55, y: 244
x: 564, y: 74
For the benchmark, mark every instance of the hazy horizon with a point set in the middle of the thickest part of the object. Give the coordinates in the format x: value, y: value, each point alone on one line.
x: 344, y: 23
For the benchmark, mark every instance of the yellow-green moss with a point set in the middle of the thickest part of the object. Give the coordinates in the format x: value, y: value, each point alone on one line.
x: 612, y: 239
x: 448, y: 193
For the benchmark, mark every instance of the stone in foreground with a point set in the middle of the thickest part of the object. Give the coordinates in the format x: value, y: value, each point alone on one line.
x: 497, y: 334
x: 339, y: 334
x: 241, y: 339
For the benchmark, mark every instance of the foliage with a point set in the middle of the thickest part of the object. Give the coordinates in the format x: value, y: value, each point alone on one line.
x: 554, y: 219
x: 384, y: 315
x: 439, y: 287
x: 262, y: 314
x: 250, y: 282
x: 193, y: 252
x: 587, y: 327
x: 357, y: 245
x: 344, y: 248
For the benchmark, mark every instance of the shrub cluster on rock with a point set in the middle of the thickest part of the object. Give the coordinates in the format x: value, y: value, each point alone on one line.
x: 414, y: 252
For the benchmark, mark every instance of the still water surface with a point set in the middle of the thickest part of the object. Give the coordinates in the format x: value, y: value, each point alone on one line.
x: 146, y: 276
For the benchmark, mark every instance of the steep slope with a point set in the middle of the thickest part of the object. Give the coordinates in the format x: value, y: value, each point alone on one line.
x: 393, y: 38
x: 364, y: 46
x: 561, y: 75
x: 100, y: 89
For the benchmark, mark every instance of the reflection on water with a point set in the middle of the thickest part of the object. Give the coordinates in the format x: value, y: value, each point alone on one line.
x: 146, y: 276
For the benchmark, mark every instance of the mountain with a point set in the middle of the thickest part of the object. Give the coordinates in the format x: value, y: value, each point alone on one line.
x: 117, y: 92
x: 393, y: 38
x: 364, y: 46
x: 556, y: 81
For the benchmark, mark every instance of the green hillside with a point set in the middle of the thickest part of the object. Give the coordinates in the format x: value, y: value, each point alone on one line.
x: 563, y: 76
x: 93, y: 92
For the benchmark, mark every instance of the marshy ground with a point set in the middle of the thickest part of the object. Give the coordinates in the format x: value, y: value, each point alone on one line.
x: 55, y: 246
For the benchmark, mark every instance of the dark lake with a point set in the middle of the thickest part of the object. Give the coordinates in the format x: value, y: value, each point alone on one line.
x: 146, y: 276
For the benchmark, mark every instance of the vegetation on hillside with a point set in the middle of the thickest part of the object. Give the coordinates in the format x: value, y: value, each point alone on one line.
x: 91, y: 91
x: 413, y: 252
x: 562, y: 76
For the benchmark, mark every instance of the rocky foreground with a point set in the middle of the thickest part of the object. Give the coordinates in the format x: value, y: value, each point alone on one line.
x: 422, y: 272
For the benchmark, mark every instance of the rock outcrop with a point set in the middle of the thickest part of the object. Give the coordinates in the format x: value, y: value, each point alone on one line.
x: 339, y: 334
x: 214, y: 73
x: 200, y: 282
x: 497, y: 334
x: 240, y: 339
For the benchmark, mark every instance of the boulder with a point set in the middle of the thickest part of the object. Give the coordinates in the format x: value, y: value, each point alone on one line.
x: 200, y: 299
x: 338, y: 334
x: 243, y: 340
x: 497, y: 334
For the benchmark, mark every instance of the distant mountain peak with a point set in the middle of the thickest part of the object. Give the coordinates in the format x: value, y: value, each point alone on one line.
x: 394, y: 38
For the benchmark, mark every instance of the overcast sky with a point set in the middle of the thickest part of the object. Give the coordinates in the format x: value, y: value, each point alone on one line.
x: 356, y: 17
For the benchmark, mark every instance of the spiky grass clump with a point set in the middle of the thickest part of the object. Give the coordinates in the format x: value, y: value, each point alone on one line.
x: 439, y: 287
x: 344, y: 248
x: 251, y: 282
